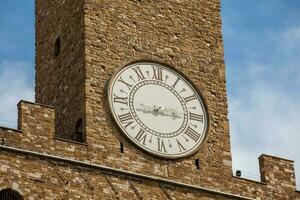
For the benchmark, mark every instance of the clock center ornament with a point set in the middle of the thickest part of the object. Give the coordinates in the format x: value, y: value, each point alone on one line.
x: 158, y: 109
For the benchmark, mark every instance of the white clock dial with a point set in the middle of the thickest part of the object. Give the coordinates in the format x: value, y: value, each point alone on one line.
x: 158, y: 109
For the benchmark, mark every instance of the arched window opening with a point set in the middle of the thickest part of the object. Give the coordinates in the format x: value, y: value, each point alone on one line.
x: 197, y: 163
x: 10, y: 194
x: 121, y: 147
x: 78, y: 134
x: 57, y: 47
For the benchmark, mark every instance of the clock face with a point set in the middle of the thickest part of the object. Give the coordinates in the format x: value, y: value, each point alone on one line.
x: 158, y: 109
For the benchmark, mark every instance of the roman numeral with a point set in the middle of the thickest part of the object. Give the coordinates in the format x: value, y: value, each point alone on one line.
x: 122, y: 100
x: 127, y: 84
x: 190, y: 98
x: 180, y: 146
x: 178, y: 79
x: 141, y: 136
x: 139, y: 73
x: 192, y: 134
x: 196, y: 117
x: 157, y: 73
x: 161, y: 145
x: 126, y: 119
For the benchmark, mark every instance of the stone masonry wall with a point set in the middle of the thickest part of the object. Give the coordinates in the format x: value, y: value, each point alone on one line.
x: 184, y: 34
x: 60, y: 80
x: 97, y: 36
x: 279, y: 173
x: 37, y: 179
x: 42, y: 178
x: 296, y: 196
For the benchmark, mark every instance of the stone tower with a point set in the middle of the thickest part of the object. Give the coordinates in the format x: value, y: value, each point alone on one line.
x: 96, y: 37
x: 60, y: 61
x: 76, y: 150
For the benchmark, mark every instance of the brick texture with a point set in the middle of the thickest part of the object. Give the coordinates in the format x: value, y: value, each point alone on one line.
x: 60, y: 80
x: 97, y: 37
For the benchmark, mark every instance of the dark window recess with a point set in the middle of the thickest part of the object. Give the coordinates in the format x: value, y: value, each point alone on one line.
x: 57, y: 47
x: 121, y: 147
x: 78, y: 134
x: 197, y: 163
x: 10, y: 194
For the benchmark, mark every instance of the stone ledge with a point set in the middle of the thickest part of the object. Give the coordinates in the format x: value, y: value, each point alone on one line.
x: 11, y: 129
x: 277, y: 171
x: 121, y: 172
x: 275, y: 157
x: 37, y: 104
x: 70, y: 141
x: 30, y: 113
x: 250, y: 180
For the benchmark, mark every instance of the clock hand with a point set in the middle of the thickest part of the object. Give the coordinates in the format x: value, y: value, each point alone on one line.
x: 171, y: 112
x: 159, y: 110
x: 145, y: 108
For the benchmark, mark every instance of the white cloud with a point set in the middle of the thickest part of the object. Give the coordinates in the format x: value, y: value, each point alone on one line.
x: 264, y: 109
x: 265, y: 120
x: 14, y: 86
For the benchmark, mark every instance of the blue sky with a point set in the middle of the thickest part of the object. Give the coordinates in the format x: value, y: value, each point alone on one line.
x: 262, y: 55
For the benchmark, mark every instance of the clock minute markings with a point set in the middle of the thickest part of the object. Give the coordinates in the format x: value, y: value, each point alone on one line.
x: 122, y: 91
x: 150, y: 140
x: 186, y: 139
x: 170, y: 145
x: 132, y: 78
x: 161, y: 145
x: 194, y: 125
x: 126, y: 119
x: 194, y: 135
x: 133, y: 127
x: 148, y: 74
x: 183, y: 90
x: 139, y: 73
x: 167, y: 77
x: 123, y: 109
